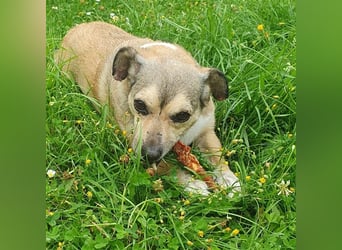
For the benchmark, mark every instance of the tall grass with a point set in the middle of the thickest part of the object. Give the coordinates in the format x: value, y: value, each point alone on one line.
x: 101, y: 197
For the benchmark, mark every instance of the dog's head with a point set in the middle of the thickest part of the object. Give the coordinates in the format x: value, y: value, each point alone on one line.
x: 170, y: 100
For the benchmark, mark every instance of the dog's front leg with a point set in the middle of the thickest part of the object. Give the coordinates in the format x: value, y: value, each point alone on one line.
x: 210, y: 145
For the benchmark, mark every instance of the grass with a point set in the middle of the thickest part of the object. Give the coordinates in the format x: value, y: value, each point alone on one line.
x: 101, y: 197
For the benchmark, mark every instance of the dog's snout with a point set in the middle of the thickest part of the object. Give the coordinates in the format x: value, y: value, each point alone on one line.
x: 157, y: 133
x: 153, y: 153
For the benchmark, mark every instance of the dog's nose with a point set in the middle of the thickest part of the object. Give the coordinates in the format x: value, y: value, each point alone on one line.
x: 152, y: 153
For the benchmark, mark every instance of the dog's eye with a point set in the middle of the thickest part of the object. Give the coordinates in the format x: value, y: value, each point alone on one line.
x: 140, y: 107
x: 180, y: 117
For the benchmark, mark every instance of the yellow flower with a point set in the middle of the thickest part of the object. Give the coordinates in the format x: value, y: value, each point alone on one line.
x: 230, y: 153
x: 260, y: 27
x: 130, y: 150
x: 49, y: 213
x: 124, y: 132
x: 262, y: 180
x: 60, y: 245
x: 248, y: 178
x: 87, y: 161
x: 227, y: 229
x: 189, y: 243
x: 200, y: 234
x: 186, y: 202
x: 158, y: 200
x: 78, y: 121
x: 89, y: 194
x: 235, y: 232
x: 236, y: 141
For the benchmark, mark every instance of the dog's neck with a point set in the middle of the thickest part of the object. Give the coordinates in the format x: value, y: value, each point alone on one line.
x: 203, y: 122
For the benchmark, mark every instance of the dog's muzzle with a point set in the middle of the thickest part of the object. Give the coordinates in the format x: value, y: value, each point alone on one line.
x: 152, y: 153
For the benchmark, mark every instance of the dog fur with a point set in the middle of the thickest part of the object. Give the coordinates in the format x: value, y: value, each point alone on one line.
x: 156, y: 91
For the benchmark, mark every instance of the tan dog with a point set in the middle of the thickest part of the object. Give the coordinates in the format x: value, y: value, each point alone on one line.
x: 156, y: 91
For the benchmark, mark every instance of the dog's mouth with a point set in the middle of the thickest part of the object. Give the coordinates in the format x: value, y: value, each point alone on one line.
x: 153, y: 154
x: 152, y: 162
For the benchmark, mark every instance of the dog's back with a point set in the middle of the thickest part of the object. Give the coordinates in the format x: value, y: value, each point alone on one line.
x: 84, y: 50
x: 88, y: 50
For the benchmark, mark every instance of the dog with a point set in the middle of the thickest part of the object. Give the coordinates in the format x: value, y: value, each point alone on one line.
x: 156, y: 92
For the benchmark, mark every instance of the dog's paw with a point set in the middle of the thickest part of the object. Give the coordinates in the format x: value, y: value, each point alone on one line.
x: 197, y: 187
x: 192, y: 185
x: 225, y: 178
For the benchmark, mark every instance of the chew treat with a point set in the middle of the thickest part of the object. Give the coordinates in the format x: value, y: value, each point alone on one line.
x: 190, y: 161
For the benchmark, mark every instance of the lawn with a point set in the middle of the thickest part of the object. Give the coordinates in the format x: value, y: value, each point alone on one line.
x: 98, y: 195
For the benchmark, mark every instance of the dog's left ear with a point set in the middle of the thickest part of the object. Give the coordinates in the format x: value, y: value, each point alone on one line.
x: 218, y: 86
x: 126, y: 63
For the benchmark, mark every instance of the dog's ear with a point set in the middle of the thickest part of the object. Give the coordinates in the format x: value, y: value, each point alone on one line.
x: 126, y: 64
x: 216, y: 83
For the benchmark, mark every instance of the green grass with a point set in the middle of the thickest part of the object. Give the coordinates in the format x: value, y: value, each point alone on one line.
x: 108, y: 203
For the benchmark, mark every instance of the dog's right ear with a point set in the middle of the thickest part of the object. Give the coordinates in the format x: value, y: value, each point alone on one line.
x: 126, y: 64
